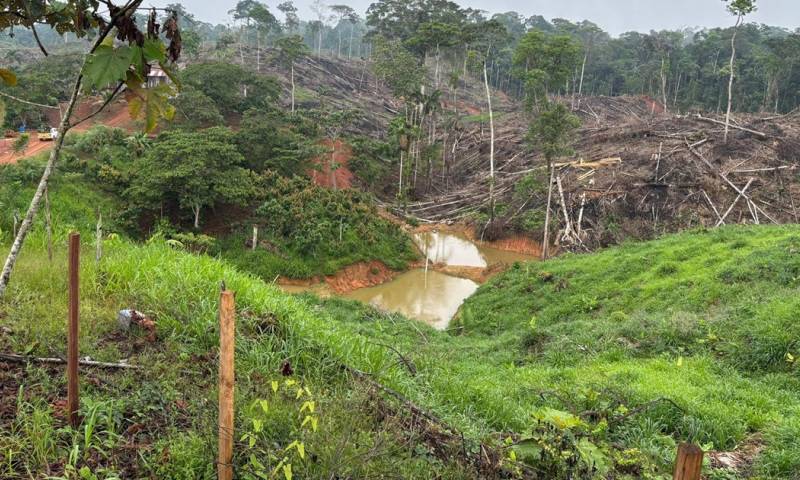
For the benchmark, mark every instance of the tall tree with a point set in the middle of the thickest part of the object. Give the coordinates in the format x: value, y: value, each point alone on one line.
x: 290, y: 49
x: 290, y: 19
x: 552, y: 132
x: 492, y: 34
x: 739, y: 8
x: 342, y: 13
x: 193, y: 170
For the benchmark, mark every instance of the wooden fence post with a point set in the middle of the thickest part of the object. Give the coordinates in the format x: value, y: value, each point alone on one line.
x: 689, y: 462
x: 227, y: 315
x: 72, y: 329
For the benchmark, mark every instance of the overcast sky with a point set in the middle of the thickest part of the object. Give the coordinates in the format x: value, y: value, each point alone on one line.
x: 614, y: 16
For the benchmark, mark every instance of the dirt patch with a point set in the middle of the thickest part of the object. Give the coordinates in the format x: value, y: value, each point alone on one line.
x: 740, y: 460
x: 360, y: 275
x: 116, y: 115
x: 349, y: 278
x: 341, y: 177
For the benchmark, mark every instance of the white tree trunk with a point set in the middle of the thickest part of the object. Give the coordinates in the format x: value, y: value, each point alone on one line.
x: 196, y: 210
x: 546, y: 236
x: 730, y: 80
x: 491, y: 143
x: 664, y: 85
x: 292, y: 77
x: 350, y: 45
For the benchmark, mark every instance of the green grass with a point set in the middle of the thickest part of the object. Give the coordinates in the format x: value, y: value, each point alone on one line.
x: 172, y: 401
x: 704, y: 319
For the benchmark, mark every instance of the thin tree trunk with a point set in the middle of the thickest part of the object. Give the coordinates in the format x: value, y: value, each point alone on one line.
x: 350, y: 46
x: 49, y: 225
x: 98, y: 254
x: 258, y: 51
x: 730, y: 80
x: 546, y: 236
x: 583, y: 70
x: 664, y: 85
x: 292, y: 77
x: 491, y: 143
x: 196, y: 210
x: 400, y: 186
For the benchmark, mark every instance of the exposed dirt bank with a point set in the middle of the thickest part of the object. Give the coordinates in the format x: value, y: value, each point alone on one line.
x: 352, y: 277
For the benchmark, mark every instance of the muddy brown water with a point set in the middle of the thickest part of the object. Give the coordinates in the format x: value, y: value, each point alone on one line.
x: 424, y: 294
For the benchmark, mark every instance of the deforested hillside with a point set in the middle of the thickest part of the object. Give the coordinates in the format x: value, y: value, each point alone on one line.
x: 637, y: 171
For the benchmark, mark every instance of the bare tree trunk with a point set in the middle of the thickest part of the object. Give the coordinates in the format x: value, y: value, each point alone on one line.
x: 491, y: 143
x: 49, y: 225
x: 292, y: 77
x: 546, y: 236
x: 664, y: 85
x: 196, y: 210
x: 436, y: 74
x: 730, y: 80
x: 400, y: 186
x: 350, y: 46
x: 258, y: 51
x: 332, y: 164
x: 583, y: 70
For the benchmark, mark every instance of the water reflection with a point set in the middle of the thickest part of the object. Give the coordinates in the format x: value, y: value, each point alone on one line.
x: 433, y: 297
x: 456, y: 249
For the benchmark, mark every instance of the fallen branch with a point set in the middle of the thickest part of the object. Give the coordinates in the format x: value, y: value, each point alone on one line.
x: 762, y: 135
x: 10, y: 357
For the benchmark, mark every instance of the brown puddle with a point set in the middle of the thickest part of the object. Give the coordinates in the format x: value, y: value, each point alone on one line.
x: 433, y: 292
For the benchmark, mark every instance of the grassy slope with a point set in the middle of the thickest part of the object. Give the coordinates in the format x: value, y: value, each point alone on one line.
x: 168, y: 409
x: 704, y: 319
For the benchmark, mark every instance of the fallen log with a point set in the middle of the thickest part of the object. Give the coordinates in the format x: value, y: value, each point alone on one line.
x: 762, y: 135
x: 10, y: 357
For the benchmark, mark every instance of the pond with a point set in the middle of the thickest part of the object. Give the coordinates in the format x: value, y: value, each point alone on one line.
x: 423, y: 293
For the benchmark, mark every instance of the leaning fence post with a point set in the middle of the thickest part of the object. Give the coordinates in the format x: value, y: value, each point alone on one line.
x: 227, y: 314
x: 72, y: 329
x: 688, y: 463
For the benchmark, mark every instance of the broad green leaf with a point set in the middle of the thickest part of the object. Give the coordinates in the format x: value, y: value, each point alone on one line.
x: 108, y: 65
x: 8, y: 77
x: 264, y: 405
x: 528, y: 450
x: 592, y: 456
x: 287, y: 471
x: 558, y: 419
x: 170, y: 72
x: 151, y: 104
x: 301, y: 449
x: 154, y: 50
x: 274, y: 386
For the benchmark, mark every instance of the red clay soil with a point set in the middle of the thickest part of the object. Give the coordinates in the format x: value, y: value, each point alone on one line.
x: 342, y: 153
x: 116, y: 115
x: 349, y: 278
